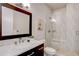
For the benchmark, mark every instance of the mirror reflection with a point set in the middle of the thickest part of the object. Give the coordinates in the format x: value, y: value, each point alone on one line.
x: 14, y: 22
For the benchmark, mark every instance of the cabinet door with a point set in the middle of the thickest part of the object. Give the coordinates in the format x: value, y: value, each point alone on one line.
x: 40, y: 50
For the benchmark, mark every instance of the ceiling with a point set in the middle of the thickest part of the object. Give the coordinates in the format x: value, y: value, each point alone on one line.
x: 54, y: 6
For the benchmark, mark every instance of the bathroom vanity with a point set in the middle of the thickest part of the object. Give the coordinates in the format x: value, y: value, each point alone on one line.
x: 31, y: 48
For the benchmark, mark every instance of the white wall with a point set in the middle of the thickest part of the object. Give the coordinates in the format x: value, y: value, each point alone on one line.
x: 39, y: 11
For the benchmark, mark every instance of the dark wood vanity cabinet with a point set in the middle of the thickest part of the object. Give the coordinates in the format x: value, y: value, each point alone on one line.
x: 37, y: 51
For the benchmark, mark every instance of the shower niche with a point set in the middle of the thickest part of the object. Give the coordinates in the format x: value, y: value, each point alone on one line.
x: 15, y: 22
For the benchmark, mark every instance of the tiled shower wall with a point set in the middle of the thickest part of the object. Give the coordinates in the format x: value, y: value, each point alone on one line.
x: 73, y: 27
x: 66, y: 38
x: 60, y: 35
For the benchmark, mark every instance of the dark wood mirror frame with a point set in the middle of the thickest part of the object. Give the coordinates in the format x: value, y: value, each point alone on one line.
x: 19, y: 10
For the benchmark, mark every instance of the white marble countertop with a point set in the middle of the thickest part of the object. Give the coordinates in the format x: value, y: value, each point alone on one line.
x: 14, y: 50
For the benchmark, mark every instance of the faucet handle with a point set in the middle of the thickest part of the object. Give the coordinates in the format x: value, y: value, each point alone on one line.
x: 20, y: 40
x: 15, y: 42
x: 28, y: 40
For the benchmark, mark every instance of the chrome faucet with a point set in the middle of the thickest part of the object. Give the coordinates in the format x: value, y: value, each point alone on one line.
x: 20, y: 40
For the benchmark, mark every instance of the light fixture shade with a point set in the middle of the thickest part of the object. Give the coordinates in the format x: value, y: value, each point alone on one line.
x: 53, y: 20
x: 26, y: 5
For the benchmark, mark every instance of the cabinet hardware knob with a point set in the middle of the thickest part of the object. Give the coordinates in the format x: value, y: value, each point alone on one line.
x: 31, y: 54
x: 41, y: 48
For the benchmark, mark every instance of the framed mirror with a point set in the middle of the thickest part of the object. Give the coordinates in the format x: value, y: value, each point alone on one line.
x: 14, y: 22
